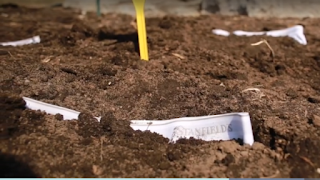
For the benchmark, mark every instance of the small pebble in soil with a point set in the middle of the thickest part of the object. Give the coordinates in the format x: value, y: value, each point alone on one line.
x: 258, y: 146
x: 228, y: 159
x: 173, y: 153
x: 292, y: 93
x: 313, y: 100
x: 316, y: 120
x: 59, y: 117
x: 11, y: 108
x: 111, y: 125
x: 88, y: 126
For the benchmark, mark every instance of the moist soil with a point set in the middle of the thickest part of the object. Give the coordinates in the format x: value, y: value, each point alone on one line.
x: 91, y: 64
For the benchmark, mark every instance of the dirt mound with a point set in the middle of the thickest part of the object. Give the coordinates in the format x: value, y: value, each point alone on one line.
x: 92, y: 65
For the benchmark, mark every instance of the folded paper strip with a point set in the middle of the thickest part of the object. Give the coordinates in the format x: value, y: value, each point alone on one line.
x: 33, y: 40
x: 208, y: 128
x: 295, y: 32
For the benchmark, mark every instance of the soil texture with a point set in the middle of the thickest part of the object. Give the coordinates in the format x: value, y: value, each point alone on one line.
x: 91, y: 64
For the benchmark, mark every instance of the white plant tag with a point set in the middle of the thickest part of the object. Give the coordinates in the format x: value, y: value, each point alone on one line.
x: 245, y: 33
x: 68, y: 114
x: 207, y: 128
x: 295, y: 32
x: 221, y: 32
x: 33, y: 40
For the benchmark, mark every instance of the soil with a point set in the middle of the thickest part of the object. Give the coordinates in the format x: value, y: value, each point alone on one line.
x: 91, y: 64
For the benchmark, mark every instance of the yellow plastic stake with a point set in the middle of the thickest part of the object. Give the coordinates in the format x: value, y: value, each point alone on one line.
x: 143, y: 46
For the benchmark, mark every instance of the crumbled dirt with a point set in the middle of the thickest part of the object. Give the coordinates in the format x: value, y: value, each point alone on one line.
x: 91, y: 64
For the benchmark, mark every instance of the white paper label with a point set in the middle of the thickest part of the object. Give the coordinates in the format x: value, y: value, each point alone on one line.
x: 33, y: 40
x: 295, y: 32
x: 207, y: 128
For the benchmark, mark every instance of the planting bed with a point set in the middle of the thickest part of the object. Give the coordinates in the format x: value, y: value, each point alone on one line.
x: 91, y: 65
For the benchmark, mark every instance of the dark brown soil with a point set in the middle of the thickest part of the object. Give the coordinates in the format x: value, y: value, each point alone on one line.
x: 91, y: 65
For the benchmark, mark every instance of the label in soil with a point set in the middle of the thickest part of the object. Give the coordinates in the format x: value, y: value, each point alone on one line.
x: 33, y: 40
x: 207, y: 128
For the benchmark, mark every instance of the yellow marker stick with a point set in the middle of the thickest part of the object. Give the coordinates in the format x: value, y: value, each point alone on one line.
x: 139, y: 6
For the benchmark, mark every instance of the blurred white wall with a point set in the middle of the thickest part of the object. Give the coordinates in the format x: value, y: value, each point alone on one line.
x: 152, y: 7
x: 264, y: 8
x: 255, y: 8
x: 33, y: 3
